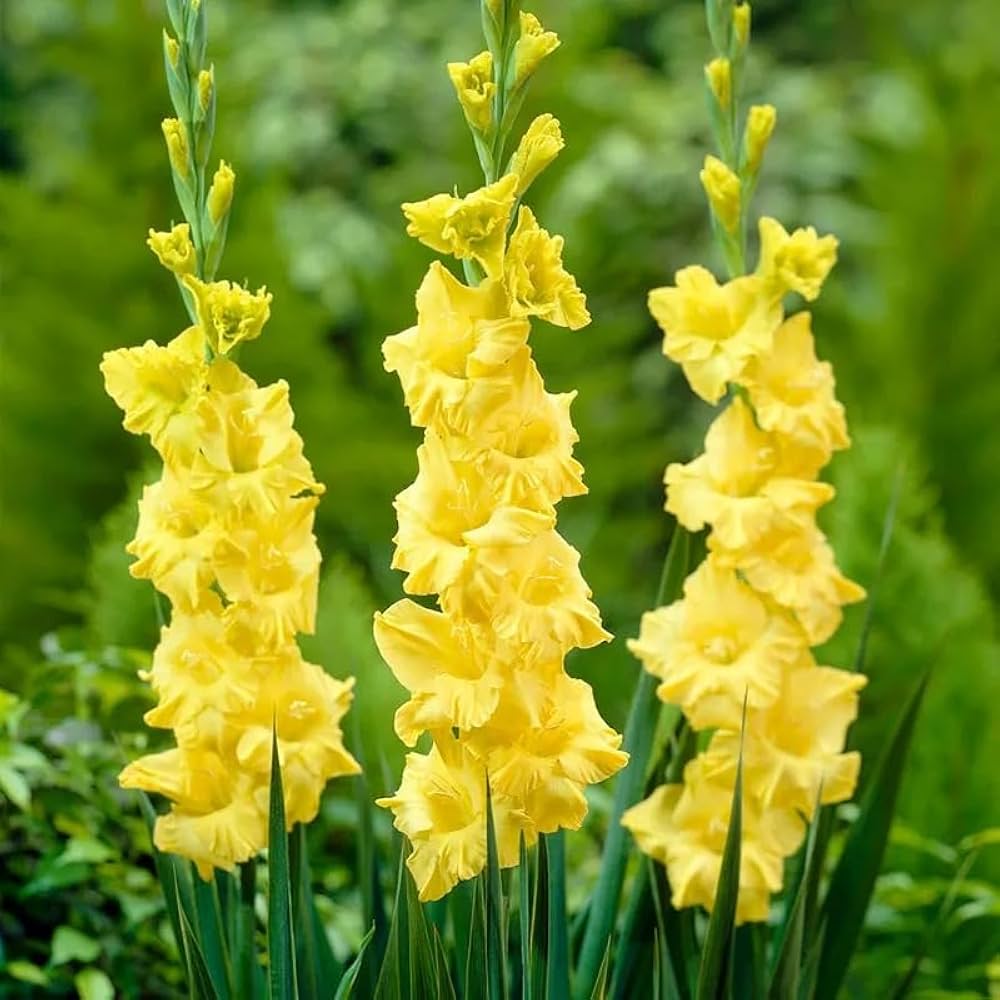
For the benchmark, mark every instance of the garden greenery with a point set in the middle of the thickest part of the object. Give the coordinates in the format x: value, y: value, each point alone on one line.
x: 752, y: 887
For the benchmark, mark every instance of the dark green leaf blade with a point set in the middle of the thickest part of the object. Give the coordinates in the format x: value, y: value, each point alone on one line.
x: 496, y: 956
x: 280, y: 936
x: 853, y: 879
x: 715, y: 973
x: 345, y: 988
x: 557, y: 973
x: 640, y: 729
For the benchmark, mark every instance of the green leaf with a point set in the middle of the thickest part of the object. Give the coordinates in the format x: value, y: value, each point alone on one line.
x: 425, y: 979
x: 14, y: 786
x: 242, y: 946
x: 345, y: 988
x: 315, y: 963
x: 557, y: 973
x: 26, y: 972
x: 854, y: 877
x: 392, y: 984
x: 166, y: 872
x: 601, y: 986
x: 476, y: 956
x: 92, y: 984
x: 716, y: 971
x: 540, y: 922
x: 785, y: 978
x: 496, y: 951
x: 280, y: 935
x: 211, y: 933
x: 199, y: 978
x: 524, y: 919
x: 676, y: 928
x: 640, y: 729
x: 69, y: 945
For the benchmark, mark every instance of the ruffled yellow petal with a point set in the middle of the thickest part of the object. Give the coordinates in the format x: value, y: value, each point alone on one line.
x: 796, y: 262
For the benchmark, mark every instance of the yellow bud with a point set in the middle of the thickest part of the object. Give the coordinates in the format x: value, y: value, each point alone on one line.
x: 177, y: 145
x: 532, y: 47
x: 173, y: 49
x: 719, y: 74
x: 541, y: 144
x: 741, y: 23
x: 760, y: 126
x: 475, y: 88
x: 723, y: 189
x: 220, y: 194
x: 174, y: 250
x: 206, y: 84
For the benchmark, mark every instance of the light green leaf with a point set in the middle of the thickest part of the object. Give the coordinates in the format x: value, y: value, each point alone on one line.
x: 14, y: 786
x: 92, y: 984
x: 86, y: 850
x: 70, y: 945
x: 26, y: 972
x: 984, y: 838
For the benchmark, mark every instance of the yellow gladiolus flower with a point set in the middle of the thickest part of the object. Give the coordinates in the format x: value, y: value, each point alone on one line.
x: 796, y: 569
x: 452, y: 671
x: 539, y: 146
x: 536, y: 280
x: 684, y: 827
x: 475, y: 88
x: 534, y: 45
x: 158, y: 389
x: 462, y: 333
x: 469, y: 228
x: 713, y: 330
x: 719, y: 643
x: 228, y: 313
x: 793, y: 394
x: 441, y: 808
x: 174, y: 250
x: 724, y: 192
x: 798, y: 262
x: 745, y: 484
x: 793, y: 751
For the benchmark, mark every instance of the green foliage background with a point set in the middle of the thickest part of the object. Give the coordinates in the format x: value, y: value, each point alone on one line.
x: 333, y: 113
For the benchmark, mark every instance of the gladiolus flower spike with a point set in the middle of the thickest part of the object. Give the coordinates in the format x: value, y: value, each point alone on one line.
x: 769, y: 589
x: 225, y: 534
x: 478, y: 526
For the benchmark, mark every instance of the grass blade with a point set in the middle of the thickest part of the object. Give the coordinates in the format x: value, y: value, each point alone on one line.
x: 716, y: 971
x: 496, y: 952
x: 280, y: 935
x: 557, y: 973
x: 640, y: 729
x: 853, y: 879
x: 345, y: 988
x: 601, y: 986
x: 524, y: 919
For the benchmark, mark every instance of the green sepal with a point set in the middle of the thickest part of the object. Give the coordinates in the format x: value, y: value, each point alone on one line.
x: 197, y: 35
x: 177, y: 83
x: 720, y: 23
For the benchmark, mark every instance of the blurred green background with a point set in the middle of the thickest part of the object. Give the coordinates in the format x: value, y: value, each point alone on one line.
x: 333, y: 113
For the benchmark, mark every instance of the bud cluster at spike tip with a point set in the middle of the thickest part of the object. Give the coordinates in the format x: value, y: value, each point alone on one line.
x: 478, y: 530
x: 226, y: 535
x: 769, y: 589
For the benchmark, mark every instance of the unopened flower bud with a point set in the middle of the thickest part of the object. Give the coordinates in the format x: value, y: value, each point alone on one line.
x: 760, y: 126
x: 172, y: 48
x: 719, y: 75
x: 206, y: 87
x: 741, y: 23
x: 220, y: 194
x: 177, y: 146
x: 723, y: 189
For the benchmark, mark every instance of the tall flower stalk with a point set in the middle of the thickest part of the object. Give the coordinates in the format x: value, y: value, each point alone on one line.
x: 769, y: 589
x: 508, y: 727
x: 226, y: 533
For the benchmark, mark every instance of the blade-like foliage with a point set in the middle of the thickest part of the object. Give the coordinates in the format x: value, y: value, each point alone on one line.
x: 242, y: 946
x: 280, y: 935
x: 348, y: 981
x: 640, y: 729
x: 496, y: 952
x: 716, y: 971
x: 200, y: 982
x: 211, y: 934
x: 557, y: 973
x: 853, y: 879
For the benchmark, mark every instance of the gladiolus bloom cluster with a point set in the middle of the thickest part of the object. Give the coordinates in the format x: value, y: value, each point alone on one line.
x: 226, y: 535
x: 769, y: 589
x: 478, y: 529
